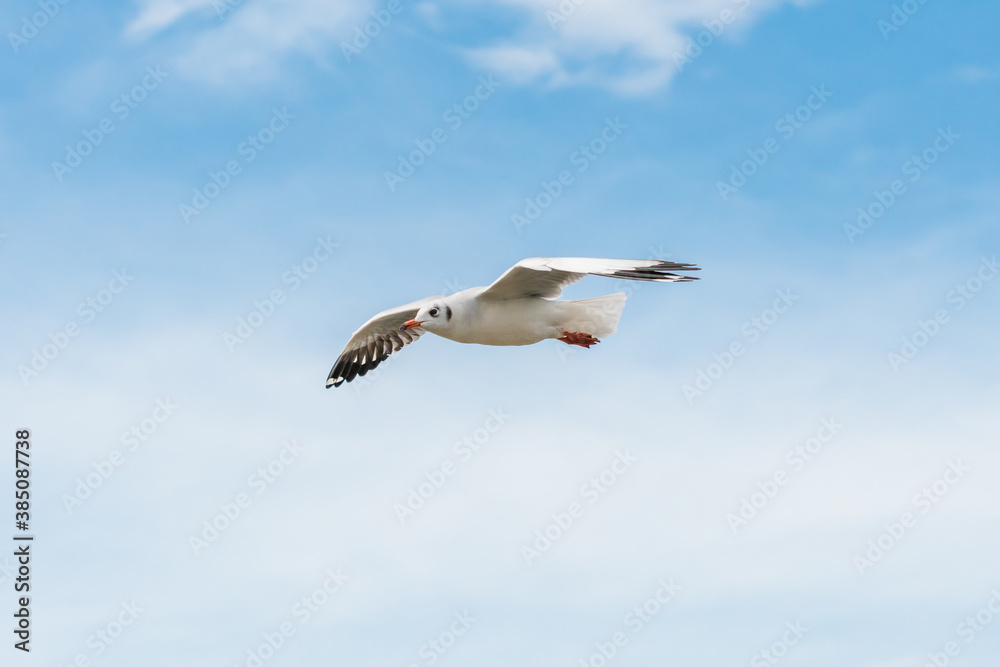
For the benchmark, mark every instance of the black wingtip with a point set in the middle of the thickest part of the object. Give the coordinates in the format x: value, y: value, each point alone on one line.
x: 661, y: 272
x: 664, y: 268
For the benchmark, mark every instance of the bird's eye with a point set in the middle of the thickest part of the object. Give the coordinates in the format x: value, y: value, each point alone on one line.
x: 433, y: 312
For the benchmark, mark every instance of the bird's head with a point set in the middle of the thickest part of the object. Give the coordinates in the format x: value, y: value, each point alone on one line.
x: 433, y: 316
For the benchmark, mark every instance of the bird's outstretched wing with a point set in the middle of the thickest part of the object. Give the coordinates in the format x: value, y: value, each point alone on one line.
x: 375, y: 341
x: 546, y: 276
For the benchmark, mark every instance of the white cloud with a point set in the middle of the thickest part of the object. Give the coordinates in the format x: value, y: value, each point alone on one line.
x: 629, y: 46
x: 240, y: 41
x: 157, y: 15
x: 665, y: 517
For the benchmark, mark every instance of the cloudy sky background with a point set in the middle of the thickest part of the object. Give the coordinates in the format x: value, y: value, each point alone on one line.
x: 652, y: 193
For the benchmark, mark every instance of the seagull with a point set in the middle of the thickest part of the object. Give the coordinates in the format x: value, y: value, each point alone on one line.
x: 519, y: 308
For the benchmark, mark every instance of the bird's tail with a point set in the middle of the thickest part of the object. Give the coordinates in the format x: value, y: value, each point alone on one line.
x: 597, y: 317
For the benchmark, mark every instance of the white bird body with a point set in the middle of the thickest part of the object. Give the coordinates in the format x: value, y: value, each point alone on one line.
x: 519, y: 308
x: 521, y: 321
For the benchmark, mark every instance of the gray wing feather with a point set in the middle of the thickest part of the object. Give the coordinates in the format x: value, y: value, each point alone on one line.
x: 375, y: 341
x: 547, y: 276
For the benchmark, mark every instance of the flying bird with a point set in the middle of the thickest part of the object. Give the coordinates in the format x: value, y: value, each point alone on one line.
x: 519, y: 308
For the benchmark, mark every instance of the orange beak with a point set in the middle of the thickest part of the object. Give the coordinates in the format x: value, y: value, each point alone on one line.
x: 409, y: 324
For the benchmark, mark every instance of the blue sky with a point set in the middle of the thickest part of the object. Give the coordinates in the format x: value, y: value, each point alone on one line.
x: 870, y: 347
